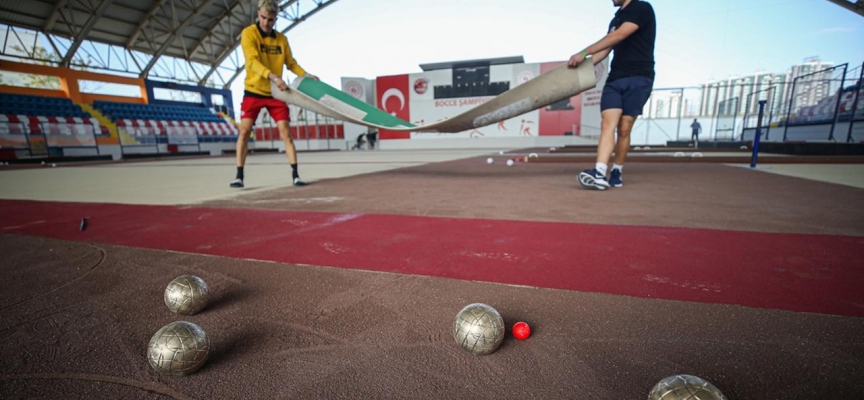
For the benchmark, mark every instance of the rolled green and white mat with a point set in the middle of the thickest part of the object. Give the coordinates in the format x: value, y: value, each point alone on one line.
x: 553, y: 86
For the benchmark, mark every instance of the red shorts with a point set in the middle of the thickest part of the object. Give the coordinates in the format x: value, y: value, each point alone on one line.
x: 251, y: 106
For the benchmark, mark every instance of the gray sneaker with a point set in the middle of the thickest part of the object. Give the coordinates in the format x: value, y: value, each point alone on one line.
x: 237, y: 183
x: 591, y: 178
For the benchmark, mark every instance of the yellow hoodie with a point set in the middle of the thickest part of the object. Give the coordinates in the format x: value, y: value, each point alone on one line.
x: 265, y: 54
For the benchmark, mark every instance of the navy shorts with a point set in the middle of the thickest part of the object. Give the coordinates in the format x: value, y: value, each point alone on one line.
x: 629, y: 94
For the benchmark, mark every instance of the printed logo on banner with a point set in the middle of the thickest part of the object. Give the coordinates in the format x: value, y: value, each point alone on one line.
x: 355, y: 89
x: 524, y: 76
x: 421, y: 85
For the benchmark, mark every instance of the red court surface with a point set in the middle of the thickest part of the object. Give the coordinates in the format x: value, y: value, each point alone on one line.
x: 809, y: 273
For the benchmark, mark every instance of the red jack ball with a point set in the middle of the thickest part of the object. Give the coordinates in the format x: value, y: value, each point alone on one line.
x: 521, y: 330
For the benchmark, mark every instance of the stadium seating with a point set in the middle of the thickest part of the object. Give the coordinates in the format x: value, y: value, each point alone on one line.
x: 36, y: 115
x: 144, y: 120
x: 17, y: 104
x: 22, y: 115
x: 118, y: 111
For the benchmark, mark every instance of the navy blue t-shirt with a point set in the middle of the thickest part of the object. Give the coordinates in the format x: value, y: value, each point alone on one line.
x: 634, y: 56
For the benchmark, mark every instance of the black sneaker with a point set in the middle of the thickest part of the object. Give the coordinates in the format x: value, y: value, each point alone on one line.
x: 237, y: 183
x: 299, y: 182
x: 592, y: 178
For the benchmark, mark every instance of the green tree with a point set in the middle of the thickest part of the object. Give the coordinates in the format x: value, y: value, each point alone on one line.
x: 44, y: 57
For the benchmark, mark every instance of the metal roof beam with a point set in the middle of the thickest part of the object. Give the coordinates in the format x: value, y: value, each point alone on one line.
x: 174, y: 35
x: 49, y: 23
x: 228, y: 14
x: 143, y: 23
x: 229, y: 48
x: 82, y: 35
x: 857, y: 7
x: 322, y: 5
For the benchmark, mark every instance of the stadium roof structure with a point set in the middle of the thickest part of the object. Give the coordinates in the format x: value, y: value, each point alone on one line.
x: 192, y: 41
x: 856, y: 6
x: 147, y: 38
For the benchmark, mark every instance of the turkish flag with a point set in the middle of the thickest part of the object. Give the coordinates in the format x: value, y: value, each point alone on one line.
x: 393, y: 97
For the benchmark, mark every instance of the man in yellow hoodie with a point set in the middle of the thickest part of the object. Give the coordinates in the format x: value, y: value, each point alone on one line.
x: 266, y: 52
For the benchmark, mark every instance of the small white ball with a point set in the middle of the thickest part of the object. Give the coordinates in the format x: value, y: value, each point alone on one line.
x: 489, y: 160
x: 509, y: 163
x: 500, y: 153
x: 53, y: 165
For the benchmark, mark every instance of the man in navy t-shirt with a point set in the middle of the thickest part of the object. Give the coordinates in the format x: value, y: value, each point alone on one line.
x: 631, y: 36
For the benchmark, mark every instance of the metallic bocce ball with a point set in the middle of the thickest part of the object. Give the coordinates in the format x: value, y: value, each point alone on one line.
x: 478, y: 329
x: 178, y: 349
x: 685, y: 387
x: 187, y: 295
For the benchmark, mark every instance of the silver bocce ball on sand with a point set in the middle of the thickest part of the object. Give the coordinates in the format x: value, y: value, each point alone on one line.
x: 187, y: 295
x: 685, y: 387
x: 478, y: 329
x: 178, y: 349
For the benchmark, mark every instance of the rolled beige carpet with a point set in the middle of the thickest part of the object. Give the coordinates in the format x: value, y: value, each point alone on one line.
x: 553, y: 86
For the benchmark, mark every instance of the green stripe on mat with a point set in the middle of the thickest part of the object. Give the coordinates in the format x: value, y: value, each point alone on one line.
x: 317, y: 90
